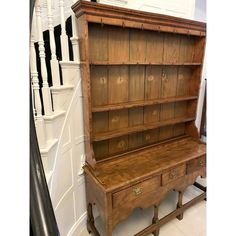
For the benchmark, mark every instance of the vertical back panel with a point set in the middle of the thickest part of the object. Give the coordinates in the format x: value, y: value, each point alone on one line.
x: 186, y: 48
x: 100, y: 149
x: 179, y: 129
x: 169, y: 81
x: 151, y: 114
x: 137, y: 45
x: 100, y: 122
x: 135, y: 140
x: 153, y: 82
x: 117, y: 145
x: 167, y: 111
x: 118, y: 44
x: 118, y: 119
x: 180, y: 109
x: 99, y: 88
x: 183, y: 84
x: 135, y: 116
x: 154, y: 52
x: 98, y: 42
x: 171, y: 48
x: 150, y: 136
x: 166, y: 132
x: 136, y: 83
x: 118, y: 84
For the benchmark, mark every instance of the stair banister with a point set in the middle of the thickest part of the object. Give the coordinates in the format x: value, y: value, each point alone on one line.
x: 34, y: 72
x: 54, y: 61
x: 42, y: 218
x: 36, y: 88
x: 64, y: 37
x: 47, y: 103
x: 74, y: 38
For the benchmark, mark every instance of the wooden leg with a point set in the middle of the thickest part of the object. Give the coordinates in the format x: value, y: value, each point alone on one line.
x: 90, y: 221
x: 155, y: 219
x: 108, y: 229
x: 179, y: 205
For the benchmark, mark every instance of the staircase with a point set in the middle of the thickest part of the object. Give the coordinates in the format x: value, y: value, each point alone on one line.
x: 54, y: 79
x: 57, y: 106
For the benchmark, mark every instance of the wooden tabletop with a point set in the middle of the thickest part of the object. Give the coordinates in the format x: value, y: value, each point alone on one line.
x: 130, y: 168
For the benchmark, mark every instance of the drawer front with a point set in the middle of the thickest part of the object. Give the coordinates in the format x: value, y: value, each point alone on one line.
x: 136, y: 192
x: 196, y: 164
x: 173, y: 174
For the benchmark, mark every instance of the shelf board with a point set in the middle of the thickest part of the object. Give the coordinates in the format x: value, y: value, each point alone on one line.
x: 144, y: 63
x: 126, y: 105
x: 144, y: 127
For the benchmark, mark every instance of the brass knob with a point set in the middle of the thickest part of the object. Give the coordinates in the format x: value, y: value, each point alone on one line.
x: 137, y: 191
x: 201, y: 163
x: 172, y: 174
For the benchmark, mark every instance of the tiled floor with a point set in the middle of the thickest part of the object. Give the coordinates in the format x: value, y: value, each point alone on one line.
x: 193, y: 223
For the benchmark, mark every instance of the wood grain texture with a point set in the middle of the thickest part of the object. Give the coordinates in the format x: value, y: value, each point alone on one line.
x: 154, y: 47
x: 118, y: 84
x: 99, y: 86
x: 118, y: 44
x: 153, y: 82
x: 169, y: 82
x: 138, y: 44
x: 171, y: 48
x: 136, y: 83
x: 118, y: 172
x: 141, y: 77
x: 98, y: 37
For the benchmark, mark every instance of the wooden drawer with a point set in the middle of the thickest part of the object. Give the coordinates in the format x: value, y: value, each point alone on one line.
x: 196, y: 164
x: 137, y: 191
x: 173, y: 174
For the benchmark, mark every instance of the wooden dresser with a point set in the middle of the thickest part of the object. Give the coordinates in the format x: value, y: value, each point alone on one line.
x: 141, y: 74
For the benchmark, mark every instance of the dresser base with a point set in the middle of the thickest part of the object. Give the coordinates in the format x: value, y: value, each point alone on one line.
x: 156, y: 223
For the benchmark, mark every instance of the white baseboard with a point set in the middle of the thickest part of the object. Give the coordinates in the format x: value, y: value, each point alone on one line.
x: 79, y: 226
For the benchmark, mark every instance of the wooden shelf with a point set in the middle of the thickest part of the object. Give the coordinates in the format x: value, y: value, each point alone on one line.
x: 126, y: 105
x: 139, y: 128
x: 144, y: 63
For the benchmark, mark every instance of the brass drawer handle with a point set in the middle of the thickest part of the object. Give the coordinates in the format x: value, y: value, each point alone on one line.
x: 173, y: 174
x: 137, y: 191
x: 201, y: 163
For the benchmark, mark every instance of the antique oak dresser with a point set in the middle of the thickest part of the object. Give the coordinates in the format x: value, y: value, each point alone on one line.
x: 141, y: 75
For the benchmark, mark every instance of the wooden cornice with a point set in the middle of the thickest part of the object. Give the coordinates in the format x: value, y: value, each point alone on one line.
x: 106, y: 14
